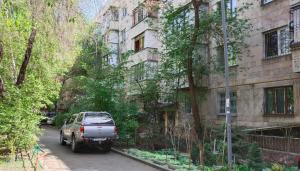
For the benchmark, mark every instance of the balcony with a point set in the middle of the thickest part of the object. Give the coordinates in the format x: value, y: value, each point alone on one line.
x: 145, y: 54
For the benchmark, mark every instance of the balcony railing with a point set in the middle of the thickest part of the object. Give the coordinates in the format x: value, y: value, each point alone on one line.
x: 145, y: 54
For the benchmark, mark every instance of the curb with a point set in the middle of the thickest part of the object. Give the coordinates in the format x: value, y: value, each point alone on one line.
x: 141, y: 160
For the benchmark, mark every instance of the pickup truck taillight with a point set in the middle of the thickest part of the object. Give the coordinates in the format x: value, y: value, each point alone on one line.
x: 81, y: 129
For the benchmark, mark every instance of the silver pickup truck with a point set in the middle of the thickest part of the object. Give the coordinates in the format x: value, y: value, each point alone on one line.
x: 89, y: 128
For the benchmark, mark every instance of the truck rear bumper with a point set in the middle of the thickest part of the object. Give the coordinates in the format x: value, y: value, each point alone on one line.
x: 97, y: 141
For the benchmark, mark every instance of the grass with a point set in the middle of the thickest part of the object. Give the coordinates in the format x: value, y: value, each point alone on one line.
x: 9, y: 164
x: 165, y: 157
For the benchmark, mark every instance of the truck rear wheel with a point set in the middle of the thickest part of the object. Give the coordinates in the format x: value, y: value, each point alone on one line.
x: 62, y: 139
x: 74, y: 145
x: 106, y: 147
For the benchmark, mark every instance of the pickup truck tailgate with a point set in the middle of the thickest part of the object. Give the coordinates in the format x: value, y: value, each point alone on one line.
x: 99, y: 127
x: 99, y: 131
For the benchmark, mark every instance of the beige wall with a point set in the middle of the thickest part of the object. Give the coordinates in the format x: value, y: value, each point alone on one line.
x: 249, y: 78
x: 254, y: 72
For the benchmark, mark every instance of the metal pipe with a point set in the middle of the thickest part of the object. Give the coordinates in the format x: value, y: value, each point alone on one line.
x: 227, y: 89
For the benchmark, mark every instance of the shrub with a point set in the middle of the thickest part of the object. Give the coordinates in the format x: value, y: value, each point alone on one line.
x: 60, y: 118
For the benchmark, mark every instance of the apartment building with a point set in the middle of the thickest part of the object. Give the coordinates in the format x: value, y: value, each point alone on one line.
x: 264, y: 81
x: 128, y: 27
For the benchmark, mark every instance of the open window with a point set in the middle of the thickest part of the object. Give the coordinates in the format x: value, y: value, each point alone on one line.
x: 139, y: 42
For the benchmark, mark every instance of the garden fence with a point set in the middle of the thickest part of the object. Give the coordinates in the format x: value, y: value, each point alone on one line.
x: 286, y: 144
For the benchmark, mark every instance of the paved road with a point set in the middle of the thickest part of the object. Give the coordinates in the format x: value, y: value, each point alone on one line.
x: 61, y: 158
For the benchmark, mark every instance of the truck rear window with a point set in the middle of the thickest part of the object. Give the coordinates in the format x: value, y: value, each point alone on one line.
x: 98, y: 119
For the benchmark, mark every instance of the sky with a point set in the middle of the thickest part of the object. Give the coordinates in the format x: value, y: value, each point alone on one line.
x: 90, y: 7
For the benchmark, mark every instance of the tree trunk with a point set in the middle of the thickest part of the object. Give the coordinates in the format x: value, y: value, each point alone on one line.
x: 22, y: 73
x: 192, y: 87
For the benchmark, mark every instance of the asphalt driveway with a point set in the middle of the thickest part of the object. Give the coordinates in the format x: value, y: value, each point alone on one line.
x: 61, y: 158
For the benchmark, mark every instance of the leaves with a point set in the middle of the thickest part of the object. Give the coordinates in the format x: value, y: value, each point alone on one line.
x: 39, y: 87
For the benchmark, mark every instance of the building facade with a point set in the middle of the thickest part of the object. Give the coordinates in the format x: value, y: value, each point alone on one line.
x: 264, y: 81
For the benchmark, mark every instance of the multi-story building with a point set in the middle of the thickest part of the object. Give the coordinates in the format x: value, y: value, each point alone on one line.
x: 127, y: 26
x: 264, y: 81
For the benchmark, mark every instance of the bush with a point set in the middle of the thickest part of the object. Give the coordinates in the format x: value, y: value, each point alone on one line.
x: 60, y: 118
x: 20, y: 116
x: 255, y: 157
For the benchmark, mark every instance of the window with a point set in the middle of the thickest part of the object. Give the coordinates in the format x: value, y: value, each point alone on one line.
x: 264, y: 2
x: 139, y: 43
x: 230, y: 5
x: 138, y: 15
x: 138, y: 72
x: 123, y: 35
x: 295, y: 23
x: 124, y: 12
x: 222, y: 102
x: 113, y: 59
x: 144, y: 70
x: 187, y: 104
x: 277, y: 42
x: 150, y: 68
x: 115, y: 15
x: 71, y: 120
x: 232, y: 59
x: 279, y: 100
x: 80, y: 117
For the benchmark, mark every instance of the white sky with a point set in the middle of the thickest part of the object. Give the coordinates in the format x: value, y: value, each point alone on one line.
x: 91, y: 7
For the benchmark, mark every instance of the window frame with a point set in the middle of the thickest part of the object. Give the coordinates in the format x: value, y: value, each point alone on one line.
x: 79, y: 118
x: 141, y: 39
x: 232, y: 56
x: 219, y: 98
x: 123, y: 35
x: 124, y: 12
x: 279, y: 42
x: 143, y: 71
x: 228, y: 7
x: 114, y: 14
x: 275, y: 104
x: 137, y: 13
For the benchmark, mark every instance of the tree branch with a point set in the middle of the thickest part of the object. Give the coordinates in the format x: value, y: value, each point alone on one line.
x: 22, y: 73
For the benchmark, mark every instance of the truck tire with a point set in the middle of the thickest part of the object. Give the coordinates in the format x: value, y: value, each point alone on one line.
x: 62, y: 139
x: 74, y: 145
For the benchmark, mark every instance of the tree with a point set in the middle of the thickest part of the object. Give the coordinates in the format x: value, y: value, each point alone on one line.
x: 187, y: 35
x: 31, y: 39
x: 94, y: 84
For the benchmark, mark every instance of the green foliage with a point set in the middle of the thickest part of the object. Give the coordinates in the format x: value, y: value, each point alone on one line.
x: 255, y: 157
x: 61, y: 118
x: 20, y: 108
x: 277, y: 167
x: 95, y: 85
